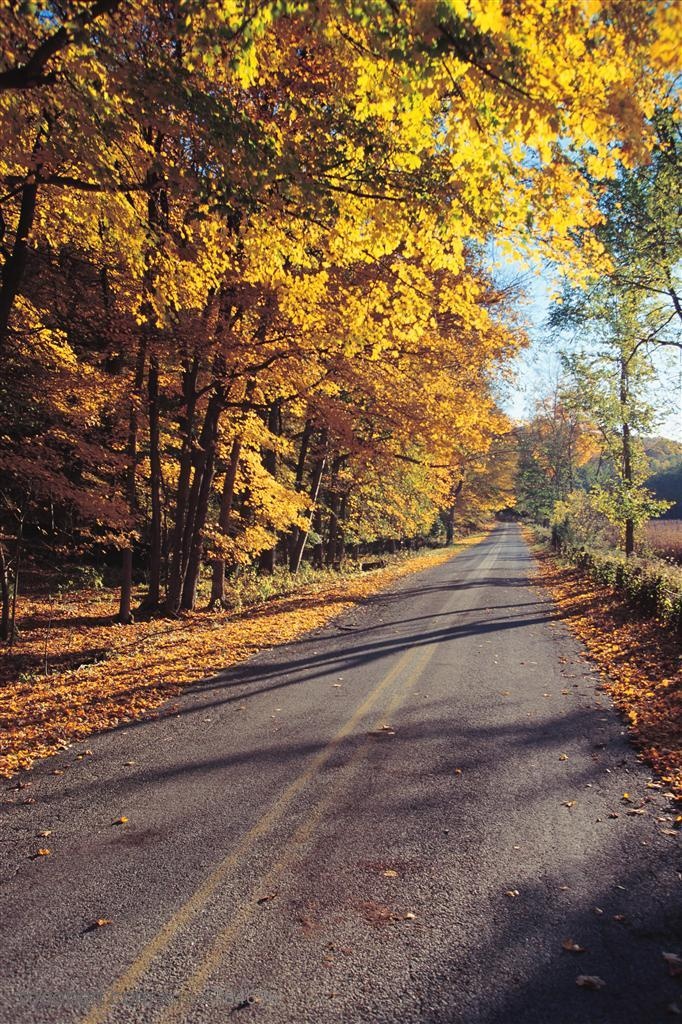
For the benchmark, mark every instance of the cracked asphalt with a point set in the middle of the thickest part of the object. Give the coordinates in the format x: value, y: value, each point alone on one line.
x: 399, y: 818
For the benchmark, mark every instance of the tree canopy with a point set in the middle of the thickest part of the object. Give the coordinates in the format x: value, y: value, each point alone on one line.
x: 244, y: 310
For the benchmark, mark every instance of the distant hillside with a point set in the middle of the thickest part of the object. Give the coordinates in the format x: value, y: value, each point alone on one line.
x: 665, y: 463
x: 663, y: 454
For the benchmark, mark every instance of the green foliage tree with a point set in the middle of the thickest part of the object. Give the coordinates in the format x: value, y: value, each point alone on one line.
x: 611, y: 385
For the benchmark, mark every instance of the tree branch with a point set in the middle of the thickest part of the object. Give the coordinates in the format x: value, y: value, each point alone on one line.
x: 67, y: 181
x: 31, y: 74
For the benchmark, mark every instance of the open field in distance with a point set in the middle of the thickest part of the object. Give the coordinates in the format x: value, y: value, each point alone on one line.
x: 664, y: 536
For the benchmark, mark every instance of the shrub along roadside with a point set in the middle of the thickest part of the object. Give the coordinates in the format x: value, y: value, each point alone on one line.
x: 650, y: 586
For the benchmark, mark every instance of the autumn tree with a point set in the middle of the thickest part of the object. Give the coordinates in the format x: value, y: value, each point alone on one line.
x: 241, y: 304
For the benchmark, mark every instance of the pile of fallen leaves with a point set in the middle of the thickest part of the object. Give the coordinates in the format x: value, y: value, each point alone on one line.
x: 640, y: 662
x: 101, y: 674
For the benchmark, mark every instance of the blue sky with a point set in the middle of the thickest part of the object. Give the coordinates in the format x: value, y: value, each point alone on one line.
x: 537, y: 368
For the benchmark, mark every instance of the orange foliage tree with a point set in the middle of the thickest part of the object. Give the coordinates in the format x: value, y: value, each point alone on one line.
x: 243, y: 310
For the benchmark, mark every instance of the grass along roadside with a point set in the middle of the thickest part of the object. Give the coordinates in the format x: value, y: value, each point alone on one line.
x: 639, y: 662
x: 143, y: 665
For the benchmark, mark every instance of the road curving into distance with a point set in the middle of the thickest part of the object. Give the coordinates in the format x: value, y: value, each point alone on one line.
x: 402, y: 817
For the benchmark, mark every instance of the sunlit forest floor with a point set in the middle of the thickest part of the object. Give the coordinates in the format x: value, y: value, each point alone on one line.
x: 74, y: 671
x: 639, y: 662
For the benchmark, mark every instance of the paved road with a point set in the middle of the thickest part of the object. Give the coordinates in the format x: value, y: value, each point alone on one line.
x: 289, y: 858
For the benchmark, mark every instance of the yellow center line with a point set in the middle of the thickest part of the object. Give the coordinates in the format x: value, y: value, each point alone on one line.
x: 129, y: 978
x: 198, y: 980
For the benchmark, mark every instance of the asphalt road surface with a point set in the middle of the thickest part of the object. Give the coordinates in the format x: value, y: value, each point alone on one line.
x: 398, y: 818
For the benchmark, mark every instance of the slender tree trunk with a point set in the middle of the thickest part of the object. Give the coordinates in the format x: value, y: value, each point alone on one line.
x: 295, y: 534
x: 450, y: 525
x: 318, y: 547
x: 199, y: 499
x: 626, y: 439
x: 4, y: 595
x: 15, y: 580
x: 154, y: 593
x: 266, y: 559
x: 303, y: 454
x: 340, y: 533
x: 226, y: 501
x: 333, y: 529
x: 334, y: 508
x: 189, y: 391
x: 124, y: 608
x: 316, y: 515
x: 449, y: 514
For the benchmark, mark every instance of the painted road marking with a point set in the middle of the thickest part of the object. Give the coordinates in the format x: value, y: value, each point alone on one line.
x: 197, y: 981
x: 129, y: 978
x: 202, y: 895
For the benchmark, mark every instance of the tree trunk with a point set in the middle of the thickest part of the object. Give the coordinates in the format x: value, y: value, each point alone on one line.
x: 626, y: 439
x: 316, y: 515
x: 4, y: 595
x: 15, y: 264
x: 449, y: 517
x: 295, y: 534
x: 449, y: 514
x: 318, y: 547
x: 226, y: 501
x: 340, y: 531
x: 154, y: 593
x: 266, y: 559
x: 189, y: 391
x: 15, y: 581
x: 199, y: 498
x: 332, y: 529
x: 124, y: 608
x: 303, y: 454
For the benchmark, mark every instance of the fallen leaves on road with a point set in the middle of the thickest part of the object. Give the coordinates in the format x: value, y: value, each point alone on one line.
x: 42, y: 852
x: 120, y: 821
x: 591, y: 981
x: 378, y: 915
x: 385, y: 730
x: 512, y: 893
x: 101, y: 922
x: 266, y: 899
x: 390, y: 873
x: 147, y: 662
x: 639, y: 662
x: 572, y: 947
